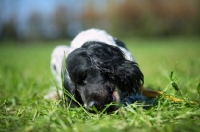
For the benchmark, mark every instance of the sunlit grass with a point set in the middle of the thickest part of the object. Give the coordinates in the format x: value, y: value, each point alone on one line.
x: 25, y: 77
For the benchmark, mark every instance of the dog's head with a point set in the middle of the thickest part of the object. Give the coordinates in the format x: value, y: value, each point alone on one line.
x: 101, y: 75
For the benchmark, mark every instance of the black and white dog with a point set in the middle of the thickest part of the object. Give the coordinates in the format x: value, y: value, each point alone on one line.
x: 99, y: 70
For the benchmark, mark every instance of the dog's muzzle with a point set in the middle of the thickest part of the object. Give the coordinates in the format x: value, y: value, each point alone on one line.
x: 98, y: 105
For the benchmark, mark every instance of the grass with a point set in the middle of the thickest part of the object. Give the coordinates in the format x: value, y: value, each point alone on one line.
x: 25, y: 77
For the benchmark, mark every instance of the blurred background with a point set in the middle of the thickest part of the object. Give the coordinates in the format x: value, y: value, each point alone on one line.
x: 63, y: 19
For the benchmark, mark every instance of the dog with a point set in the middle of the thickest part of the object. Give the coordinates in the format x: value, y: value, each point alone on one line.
x: 98, y: 70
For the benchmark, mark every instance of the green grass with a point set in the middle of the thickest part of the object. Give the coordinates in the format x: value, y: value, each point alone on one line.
x: 25, y: 77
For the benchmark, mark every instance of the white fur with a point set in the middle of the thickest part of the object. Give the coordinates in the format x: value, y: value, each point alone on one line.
x: 92, y: 35
x: 97, y: 35
x: 57, y: 60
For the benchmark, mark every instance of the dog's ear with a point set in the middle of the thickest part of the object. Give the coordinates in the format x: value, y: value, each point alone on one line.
x: 125, y: 74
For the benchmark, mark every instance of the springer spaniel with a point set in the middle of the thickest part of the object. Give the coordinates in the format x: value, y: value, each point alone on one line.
x: 99, y: 70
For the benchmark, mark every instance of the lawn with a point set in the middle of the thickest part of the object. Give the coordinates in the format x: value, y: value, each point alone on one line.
x: 25, y: 77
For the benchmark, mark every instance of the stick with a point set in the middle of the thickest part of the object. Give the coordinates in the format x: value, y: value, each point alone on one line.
x: 154, y: 94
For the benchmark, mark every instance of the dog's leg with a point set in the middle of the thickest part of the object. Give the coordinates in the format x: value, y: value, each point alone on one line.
x: 58, y: 57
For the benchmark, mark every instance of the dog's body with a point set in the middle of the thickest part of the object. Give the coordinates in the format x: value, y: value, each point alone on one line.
x: 99, y: 69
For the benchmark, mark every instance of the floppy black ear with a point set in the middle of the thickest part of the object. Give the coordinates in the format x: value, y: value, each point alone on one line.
x: 125, y: 74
